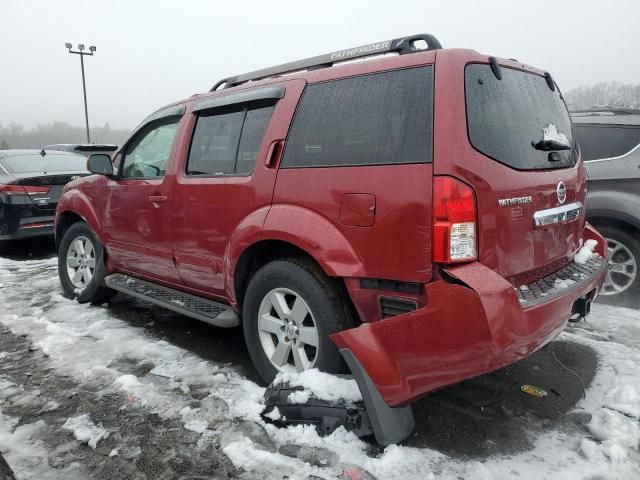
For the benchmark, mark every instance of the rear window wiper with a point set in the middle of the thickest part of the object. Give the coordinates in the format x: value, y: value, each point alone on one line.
x: 550, y: 145
x: 552, y: 140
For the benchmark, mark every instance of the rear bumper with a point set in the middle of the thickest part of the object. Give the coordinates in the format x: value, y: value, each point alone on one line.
x: 466, y: 329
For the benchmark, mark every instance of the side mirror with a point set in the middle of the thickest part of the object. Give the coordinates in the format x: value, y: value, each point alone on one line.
x: 100, y: 163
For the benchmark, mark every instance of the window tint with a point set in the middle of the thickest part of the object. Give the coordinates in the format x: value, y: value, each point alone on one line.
x: 606, y: 141
x: 147, y: 154
x: 382, y: 118
x: 226, y: 141
x: 506, y: 117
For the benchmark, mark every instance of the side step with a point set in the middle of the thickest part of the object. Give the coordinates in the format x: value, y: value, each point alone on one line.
x: 199, y: 308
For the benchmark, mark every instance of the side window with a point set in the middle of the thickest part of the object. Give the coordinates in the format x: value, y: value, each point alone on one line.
x: 226, y: 141
x: 147, y: 154
x: 382, y: 118
x: 606, y: 141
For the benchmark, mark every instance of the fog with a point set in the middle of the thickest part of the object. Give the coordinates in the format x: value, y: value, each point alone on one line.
x: 150, y: 53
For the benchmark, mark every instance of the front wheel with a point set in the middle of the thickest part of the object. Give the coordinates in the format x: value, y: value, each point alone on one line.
x: 290, y: 310
x: 79, y: 268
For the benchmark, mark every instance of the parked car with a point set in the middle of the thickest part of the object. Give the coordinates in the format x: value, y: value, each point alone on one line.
x: 610, y: 142
x: 31, y: 182
x: 418, y: 222
x: 85, y: 149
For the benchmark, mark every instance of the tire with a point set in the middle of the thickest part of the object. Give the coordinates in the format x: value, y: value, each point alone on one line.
x: 5, y: 471
x: 626, y: 247
x: 90, y: 287
x: 284, y: 283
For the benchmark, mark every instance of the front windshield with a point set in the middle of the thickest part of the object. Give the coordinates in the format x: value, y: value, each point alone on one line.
x: 49, y: 163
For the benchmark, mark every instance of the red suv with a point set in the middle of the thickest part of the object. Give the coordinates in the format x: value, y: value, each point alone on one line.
x: 415, y: 213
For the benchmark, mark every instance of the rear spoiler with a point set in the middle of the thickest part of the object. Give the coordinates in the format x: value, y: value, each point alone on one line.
x: 93, y: 148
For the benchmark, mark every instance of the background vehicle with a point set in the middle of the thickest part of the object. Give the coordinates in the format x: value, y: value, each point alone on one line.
x: 85, y: 149
x: 31, y: 182
x: 414, y: 221
x: 610, y: 142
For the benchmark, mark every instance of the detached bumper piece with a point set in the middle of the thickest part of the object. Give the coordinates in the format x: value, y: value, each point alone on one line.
x: 324, y: 415
x: 388, y: 425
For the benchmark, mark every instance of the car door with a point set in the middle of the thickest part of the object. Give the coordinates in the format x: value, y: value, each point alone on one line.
x: 224, y: 178
x: 136, y: 215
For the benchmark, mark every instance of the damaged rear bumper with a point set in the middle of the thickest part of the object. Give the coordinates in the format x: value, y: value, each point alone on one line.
x: 473, y: 326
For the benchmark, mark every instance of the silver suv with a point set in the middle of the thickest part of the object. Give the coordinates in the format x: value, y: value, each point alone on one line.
x: 610, y: 142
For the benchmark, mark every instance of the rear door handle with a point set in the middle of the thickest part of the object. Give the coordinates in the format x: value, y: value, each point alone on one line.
x: 158, y: 198
x: 274, y: 152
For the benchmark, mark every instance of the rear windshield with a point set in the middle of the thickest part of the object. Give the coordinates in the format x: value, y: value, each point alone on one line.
x: 48, y: 163
x: 512, y: 120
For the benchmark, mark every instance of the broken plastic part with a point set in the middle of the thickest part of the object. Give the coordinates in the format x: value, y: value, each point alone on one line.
x: 284, y: 406
x: 390, y: 425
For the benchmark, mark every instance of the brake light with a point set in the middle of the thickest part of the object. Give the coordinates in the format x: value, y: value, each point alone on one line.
x: 454, y: 221
x: 23, y: 190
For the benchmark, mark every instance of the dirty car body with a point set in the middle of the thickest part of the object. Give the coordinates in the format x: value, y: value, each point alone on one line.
x: 442, y: 237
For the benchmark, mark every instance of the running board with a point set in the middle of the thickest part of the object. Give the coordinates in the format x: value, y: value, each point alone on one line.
x: 208, y: 311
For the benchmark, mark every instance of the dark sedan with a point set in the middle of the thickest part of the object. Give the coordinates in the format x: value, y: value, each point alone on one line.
x: 31, y: 182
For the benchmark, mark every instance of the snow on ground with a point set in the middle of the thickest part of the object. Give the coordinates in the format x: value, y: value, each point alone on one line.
x: 137, y: 389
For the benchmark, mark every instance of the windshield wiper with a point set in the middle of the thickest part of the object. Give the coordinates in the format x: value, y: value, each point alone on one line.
x: 550, y: 145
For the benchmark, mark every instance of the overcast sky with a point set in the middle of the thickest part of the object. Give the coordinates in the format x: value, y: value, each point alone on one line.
x: 152, y: 52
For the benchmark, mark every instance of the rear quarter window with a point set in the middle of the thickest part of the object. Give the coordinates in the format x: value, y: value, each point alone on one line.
x: 506, y: 117
x: 606, y: 141
x: 382, y: 118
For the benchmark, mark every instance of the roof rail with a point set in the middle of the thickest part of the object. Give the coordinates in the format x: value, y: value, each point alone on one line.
x: 609, y: 110
x: 400, y: 45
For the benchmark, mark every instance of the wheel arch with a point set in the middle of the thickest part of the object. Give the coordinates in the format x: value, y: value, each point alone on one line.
x: 612, y: 219
x: 264, y: 251
x: 74, y: 206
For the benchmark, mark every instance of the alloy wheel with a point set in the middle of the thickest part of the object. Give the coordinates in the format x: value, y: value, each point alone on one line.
x: 623, y: 268
x: 81, y: 262
x: 287, y: 330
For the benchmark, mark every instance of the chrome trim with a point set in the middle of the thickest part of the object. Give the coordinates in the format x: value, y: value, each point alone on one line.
x: 565, y: 213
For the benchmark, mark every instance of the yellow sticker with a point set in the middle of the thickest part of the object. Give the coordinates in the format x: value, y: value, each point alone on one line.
x: 535, y: 391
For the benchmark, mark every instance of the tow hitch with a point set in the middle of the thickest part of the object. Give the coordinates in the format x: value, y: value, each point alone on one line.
x: 371, y: 415
x: 581, y: 308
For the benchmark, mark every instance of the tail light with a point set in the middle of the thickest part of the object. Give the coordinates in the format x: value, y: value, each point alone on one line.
x: 23, y: 190
x: 455, y: 221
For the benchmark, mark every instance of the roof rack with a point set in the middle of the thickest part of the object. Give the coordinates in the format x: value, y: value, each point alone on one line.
x: 400, y: 45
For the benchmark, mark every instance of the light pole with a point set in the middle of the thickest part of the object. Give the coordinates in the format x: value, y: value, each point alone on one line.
x: 82, y: 53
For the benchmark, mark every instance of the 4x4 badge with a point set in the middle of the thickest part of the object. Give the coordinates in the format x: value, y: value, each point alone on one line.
x: 561, y: 192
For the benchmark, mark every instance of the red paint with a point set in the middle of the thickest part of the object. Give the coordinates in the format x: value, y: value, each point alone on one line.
x: 462, y: 331
x: 359, y: 222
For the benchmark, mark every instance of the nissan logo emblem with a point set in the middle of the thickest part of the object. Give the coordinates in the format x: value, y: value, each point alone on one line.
x: 561, y: 192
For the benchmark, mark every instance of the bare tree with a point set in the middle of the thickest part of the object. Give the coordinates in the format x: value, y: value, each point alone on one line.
x: 610, y: 94
x: 16, y: 129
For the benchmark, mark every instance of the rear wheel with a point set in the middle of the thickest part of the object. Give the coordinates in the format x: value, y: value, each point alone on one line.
x: 79, y: 265
x: 622, y: 284
x: 290, y: 310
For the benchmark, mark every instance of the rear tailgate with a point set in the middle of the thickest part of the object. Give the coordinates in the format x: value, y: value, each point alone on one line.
x: 517, y: 152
